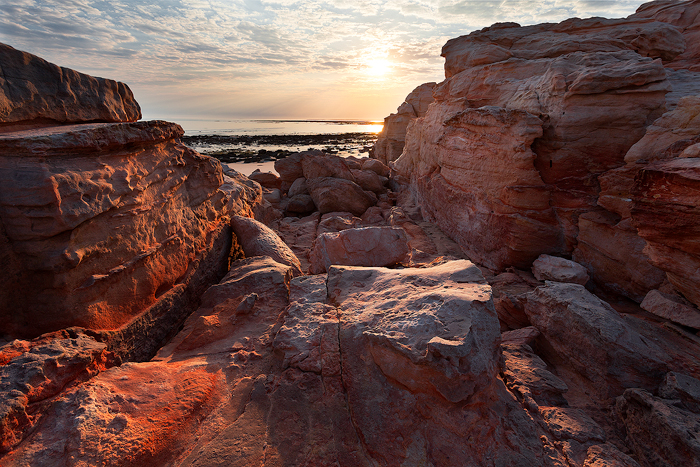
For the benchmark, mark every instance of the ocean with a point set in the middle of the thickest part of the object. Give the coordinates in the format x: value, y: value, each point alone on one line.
x: 247, y: 145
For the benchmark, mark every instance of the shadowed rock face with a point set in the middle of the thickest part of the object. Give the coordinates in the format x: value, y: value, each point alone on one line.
x: 34, y: 91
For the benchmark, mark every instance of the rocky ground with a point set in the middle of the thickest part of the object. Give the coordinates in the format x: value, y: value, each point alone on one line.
x: 511, y: 282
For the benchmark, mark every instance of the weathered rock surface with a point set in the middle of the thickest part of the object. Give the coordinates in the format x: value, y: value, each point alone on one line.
x: 666, y: 213
x: 594, y: 339
x: 102, y: 222
x: 672, y: 308
x: 595, y: 84
x: 474, y: 176
x: 32, y: 372
x: 368, y: 246
x: 392, y: 138
x: 257, y: 239
x: 648, y: 419
x: 553, y: 268
x: 383, y: 367
x: 36, y: 92
x: 338, y: 194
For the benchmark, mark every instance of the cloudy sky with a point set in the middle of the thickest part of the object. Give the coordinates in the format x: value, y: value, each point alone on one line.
x: 321, y: 59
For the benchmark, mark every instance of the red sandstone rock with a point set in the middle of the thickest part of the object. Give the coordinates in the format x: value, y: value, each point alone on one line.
x: 105, y: 221
x: 301, y: 204
x: 257, y: 239
x: 681, y: 123
x: 592, y: 337
x: 369, y: 180
x: 368, y: 246
x: 659, y: 433
x: 390, y: 141
x: 266, y: 179
x: 666, y: 214
x: 32, y: 372
x: 299, y: 234
x: 320, y: 165
x: 527, y: 375
x: 298, y: 188
x: 34, y: 90
x: 672, y: 308
x: 553, y: 268
x: 614, y: 254
x: 376, y: 166
x: 337, y: 194
x: 290, y: 167
x: 475, y: 178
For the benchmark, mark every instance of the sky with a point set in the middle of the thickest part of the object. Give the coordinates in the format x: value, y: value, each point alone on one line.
x: 287, y: 59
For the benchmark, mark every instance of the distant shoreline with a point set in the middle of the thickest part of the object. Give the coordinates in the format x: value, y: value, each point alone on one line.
x: 260, y: 148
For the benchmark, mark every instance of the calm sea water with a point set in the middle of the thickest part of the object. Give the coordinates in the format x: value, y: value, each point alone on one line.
x: 260, y: 128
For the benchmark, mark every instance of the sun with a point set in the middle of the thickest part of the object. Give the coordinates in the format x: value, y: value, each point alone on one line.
x: 377, y: 67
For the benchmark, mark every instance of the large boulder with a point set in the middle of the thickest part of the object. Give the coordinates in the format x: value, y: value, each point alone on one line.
x: 338, y: 194
x: 257, y: 239
x: 34, y: 91
x: 368, y: 246
x: 595, y: 340
x: 553, y: 268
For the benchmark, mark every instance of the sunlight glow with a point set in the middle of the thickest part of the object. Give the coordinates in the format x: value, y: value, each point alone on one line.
x: 378, y: 67
x: 375, y: 127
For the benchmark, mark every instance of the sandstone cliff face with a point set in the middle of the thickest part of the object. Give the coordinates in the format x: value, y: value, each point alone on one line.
x: 113, y: 227
x: 34, y: 91
x: 591, y: 88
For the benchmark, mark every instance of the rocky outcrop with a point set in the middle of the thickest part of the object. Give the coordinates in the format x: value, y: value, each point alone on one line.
x: 36, y: 92
x: 392, y: 138
x: 113, y: 227
x: 596, y: 91
x: 389, y: 367
x: 102, y: 220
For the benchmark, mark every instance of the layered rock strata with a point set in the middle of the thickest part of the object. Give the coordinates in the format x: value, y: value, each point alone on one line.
x: 596, y: 91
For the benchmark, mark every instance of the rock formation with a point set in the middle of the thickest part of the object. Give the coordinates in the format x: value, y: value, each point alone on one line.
x: 594, y: 93
x: 544, y: 143
x: 114, y: 227
x: 36, y: 92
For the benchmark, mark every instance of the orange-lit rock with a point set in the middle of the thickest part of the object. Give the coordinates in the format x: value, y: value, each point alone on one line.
x: 103, y: 220
x: 33, y: 372
x: 36, y: 92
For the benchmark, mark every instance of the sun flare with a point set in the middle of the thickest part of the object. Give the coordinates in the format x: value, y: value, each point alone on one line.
x: 378, y: 67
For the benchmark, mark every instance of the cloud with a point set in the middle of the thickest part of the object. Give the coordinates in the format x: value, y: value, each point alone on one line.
x: 263, y: 49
